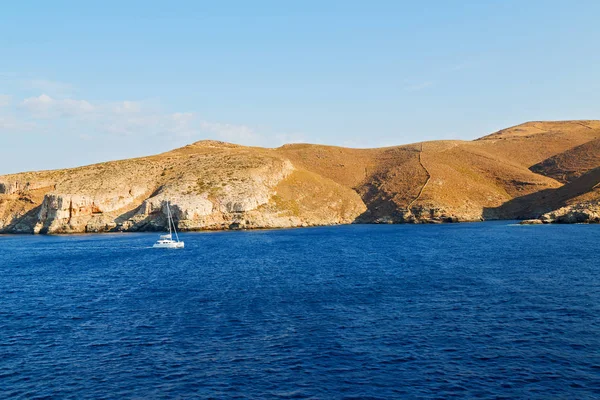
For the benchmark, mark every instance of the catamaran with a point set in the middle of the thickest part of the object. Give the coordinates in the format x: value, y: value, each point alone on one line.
x: 166, y: 241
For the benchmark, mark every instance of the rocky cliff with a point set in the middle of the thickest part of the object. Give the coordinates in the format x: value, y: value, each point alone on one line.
x: 527, y: 171
x: 210, y: 185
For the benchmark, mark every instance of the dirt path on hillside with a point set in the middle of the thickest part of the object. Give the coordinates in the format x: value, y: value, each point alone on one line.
x: 426, y: 181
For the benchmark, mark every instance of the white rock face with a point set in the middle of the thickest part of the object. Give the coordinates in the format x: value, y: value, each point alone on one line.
x: 15, y: 186
x: 119, y: 208
x: 586, y: 212
x: 182, y: 206
x: 254, y: 192
x: 207, y: 187
x: 219, y: 206
x: 66, y: 212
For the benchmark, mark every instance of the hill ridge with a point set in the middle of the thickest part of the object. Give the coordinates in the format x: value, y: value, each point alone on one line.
x: 219, y: 185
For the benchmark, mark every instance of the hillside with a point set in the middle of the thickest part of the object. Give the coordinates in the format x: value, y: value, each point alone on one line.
x: 521, y: 172
x: 571, y: 164
x: 211, y: 185
x: 533, y: 142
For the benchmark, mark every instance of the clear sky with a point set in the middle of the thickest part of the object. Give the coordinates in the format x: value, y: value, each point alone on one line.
x: 83, y: 83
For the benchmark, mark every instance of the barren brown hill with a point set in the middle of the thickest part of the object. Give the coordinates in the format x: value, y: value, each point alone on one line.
x: 211, y: 185
x: 571, y: 164
x: 533, y: 142
x: 435, y: 181
x: 581, y: 191
x: 388, y: 179
x: 216, y: 185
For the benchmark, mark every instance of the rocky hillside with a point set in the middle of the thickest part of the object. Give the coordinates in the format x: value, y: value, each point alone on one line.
x: 210, y: 185
x: 571, y: 164
x: 528, y: 171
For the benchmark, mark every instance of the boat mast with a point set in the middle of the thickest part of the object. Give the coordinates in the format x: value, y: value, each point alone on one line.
x: 171, y: 221
x: 169, y: 217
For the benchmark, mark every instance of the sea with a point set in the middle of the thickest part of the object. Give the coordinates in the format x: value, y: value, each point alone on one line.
x: 473, y: 310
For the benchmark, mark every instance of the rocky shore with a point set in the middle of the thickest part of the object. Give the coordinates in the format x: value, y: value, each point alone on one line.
x: 581, y: 213
x: 512, y: 174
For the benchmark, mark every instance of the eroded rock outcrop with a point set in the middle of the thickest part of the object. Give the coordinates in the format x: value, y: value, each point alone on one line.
x: 587, y: 212
x: 216, y: 185
x: 209, y: 185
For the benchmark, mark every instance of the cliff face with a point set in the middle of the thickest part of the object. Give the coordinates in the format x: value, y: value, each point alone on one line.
x: 521, y: 172
x: 210, y: 185
x: 577, y: 201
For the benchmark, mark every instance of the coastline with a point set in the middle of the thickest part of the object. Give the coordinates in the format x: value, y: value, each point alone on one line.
x: 509, y: 222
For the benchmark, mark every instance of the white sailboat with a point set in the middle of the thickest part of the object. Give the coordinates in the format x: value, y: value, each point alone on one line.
x: 166, y: 241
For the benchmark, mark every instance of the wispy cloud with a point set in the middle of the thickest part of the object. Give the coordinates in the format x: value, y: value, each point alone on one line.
x: 89, y: 120
x: 127, y: 107
x: 231, y: 132
x: 461, y: 66
x: 56, y: 109
x: 5, y: 100
x: 144, y: 123
x: 53, y: 88
x: 416, y: 87
x: 10, y: 124
x: 287, y: 138
x: 45, y: 106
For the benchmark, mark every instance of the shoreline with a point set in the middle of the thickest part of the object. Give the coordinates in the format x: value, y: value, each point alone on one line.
x: 512, y: 222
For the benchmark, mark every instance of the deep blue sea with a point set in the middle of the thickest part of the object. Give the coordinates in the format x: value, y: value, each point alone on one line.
x: 489, y: 310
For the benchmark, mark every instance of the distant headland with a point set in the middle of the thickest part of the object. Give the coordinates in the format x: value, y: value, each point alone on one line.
x: 540, y: 171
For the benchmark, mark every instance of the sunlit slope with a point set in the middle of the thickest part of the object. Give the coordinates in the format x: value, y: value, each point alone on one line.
x: 432, y: 181
x: 533, y: 142
x: 518, y: 172
x: 571, y: 164
x: 211, y: 185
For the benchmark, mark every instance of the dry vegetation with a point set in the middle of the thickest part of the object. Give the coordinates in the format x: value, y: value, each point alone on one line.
x: 571, y: 164
x: 517, y: 172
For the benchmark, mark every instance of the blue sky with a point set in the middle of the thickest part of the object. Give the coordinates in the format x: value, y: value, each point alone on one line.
x: 83, y: 83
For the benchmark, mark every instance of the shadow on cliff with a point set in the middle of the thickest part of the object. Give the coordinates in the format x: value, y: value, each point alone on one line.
x: 378, y: 207
x: 153, y: 222
x: 536, y: 204
x: 25, y: 223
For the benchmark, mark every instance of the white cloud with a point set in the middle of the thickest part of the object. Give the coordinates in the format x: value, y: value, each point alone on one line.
x: 287, y: 138
x: 88, y: 120
x: 230, y: 132
x: 10, y: 124
x: 5, y: 100
x: 45, y: 106
x: 55, y: 88
x: 38, y: 104
x: 181, y: 125
x: 109, y: 121
x: 127, y: 107
x: 76, y: 106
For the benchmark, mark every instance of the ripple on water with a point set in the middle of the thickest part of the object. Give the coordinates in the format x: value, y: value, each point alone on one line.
x: 472, y: 310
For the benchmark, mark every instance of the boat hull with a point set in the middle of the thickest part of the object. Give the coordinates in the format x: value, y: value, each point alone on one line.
x: 169, y: 245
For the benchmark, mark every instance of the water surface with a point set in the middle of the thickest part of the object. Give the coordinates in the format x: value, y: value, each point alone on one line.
x: 434, y: 311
